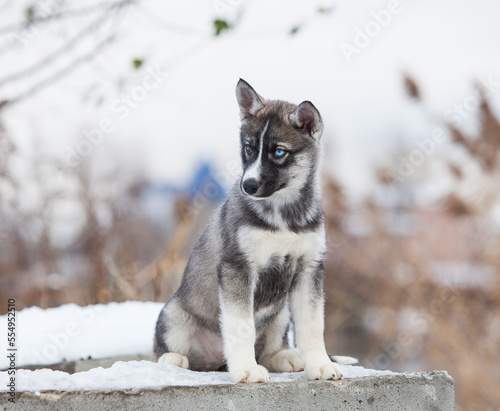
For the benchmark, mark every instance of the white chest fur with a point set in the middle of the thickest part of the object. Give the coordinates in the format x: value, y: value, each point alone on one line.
x: 261, y: 245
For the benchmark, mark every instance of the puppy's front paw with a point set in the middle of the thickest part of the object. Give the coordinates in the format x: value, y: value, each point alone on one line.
x: 286, y: 361
x: 256, y: 373
x: 174, y: 359
x: 323, y: 371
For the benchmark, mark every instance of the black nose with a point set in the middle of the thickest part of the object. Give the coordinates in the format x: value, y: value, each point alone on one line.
x: 251, y: 186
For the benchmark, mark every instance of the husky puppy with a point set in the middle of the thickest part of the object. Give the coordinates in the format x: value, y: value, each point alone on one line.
x: 259, y: 263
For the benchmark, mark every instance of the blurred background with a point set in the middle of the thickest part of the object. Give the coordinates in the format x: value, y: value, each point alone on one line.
x: 119, y: 136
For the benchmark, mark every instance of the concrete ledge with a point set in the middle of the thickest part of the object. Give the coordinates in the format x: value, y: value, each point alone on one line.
x: 426, y: 391
x: 85, y: 365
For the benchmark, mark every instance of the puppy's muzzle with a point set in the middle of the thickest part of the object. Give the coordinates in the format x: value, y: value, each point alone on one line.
x: 251, y: 186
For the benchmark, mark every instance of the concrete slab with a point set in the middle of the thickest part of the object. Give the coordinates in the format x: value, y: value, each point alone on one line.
x: 411, y: 392
x: 84, y: 365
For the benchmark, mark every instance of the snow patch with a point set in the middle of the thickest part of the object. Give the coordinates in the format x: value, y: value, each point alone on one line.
x: 71, y: 332
x: 143, y: 374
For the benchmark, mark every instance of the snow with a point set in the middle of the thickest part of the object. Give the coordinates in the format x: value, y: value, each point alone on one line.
x: 143, y: 374
x: 70, y: 332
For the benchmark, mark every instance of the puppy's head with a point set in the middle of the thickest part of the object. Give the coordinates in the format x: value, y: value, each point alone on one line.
x: 279, y: 143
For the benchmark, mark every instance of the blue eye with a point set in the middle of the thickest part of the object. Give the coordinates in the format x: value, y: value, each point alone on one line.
x: 248, y: 150
x: 279, y: 153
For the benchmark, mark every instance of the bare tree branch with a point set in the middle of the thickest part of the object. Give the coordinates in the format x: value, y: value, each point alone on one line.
x: 60, y: 15
x: 57, y: 54
x: 60, y: 74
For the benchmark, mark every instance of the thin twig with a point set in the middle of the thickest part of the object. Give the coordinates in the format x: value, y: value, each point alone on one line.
x: 15, y: 27
x: 59, y: 75
x: 52, y: 57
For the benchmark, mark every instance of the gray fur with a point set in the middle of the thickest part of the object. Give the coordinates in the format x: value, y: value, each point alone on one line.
x: 219, y: 266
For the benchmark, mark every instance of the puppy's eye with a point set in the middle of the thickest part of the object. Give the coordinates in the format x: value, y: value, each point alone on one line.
x: 248, y: 150
x: 279, y: 153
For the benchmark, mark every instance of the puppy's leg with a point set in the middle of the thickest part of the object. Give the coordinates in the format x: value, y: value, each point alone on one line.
x: 238, y: 325
x: 276, y: 355
x: 307, y: 304
x: 174, y: 330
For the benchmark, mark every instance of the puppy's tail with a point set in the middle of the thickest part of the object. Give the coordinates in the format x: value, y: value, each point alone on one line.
x: 343, y: 360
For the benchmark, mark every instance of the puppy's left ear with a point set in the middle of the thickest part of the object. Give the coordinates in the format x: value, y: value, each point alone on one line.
x: 248, y: 99
x: 306, y: 117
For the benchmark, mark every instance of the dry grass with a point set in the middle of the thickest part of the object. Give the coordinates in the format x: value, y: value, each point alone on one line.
x: 385, y: 302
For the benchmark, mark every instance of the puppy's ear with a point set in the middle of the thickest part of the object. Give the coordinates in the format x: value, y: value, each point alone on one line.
x: 248, y: 100
x: 306, y: 117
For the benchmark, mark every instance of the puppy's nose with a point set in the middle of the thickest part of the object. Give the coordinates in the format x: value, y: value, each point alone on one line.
x: 251, y: 186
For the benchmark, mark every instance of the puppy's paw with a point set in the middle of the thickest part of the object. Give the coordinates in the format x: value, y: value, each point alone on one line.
x: 286, y: 361
x: 255, y: 373
x: 174, y: 359
x: 326, y: 370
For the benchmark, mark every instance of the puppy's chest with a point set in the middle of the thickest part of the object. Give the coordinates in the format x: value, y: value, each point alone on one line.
x: 264, y: 248
x: 274, y: 281
x: 278, y: 256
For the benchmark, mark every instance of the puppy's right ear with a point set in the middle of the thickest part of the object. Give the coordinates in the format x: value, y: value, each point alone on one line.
x: 248, y: 100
